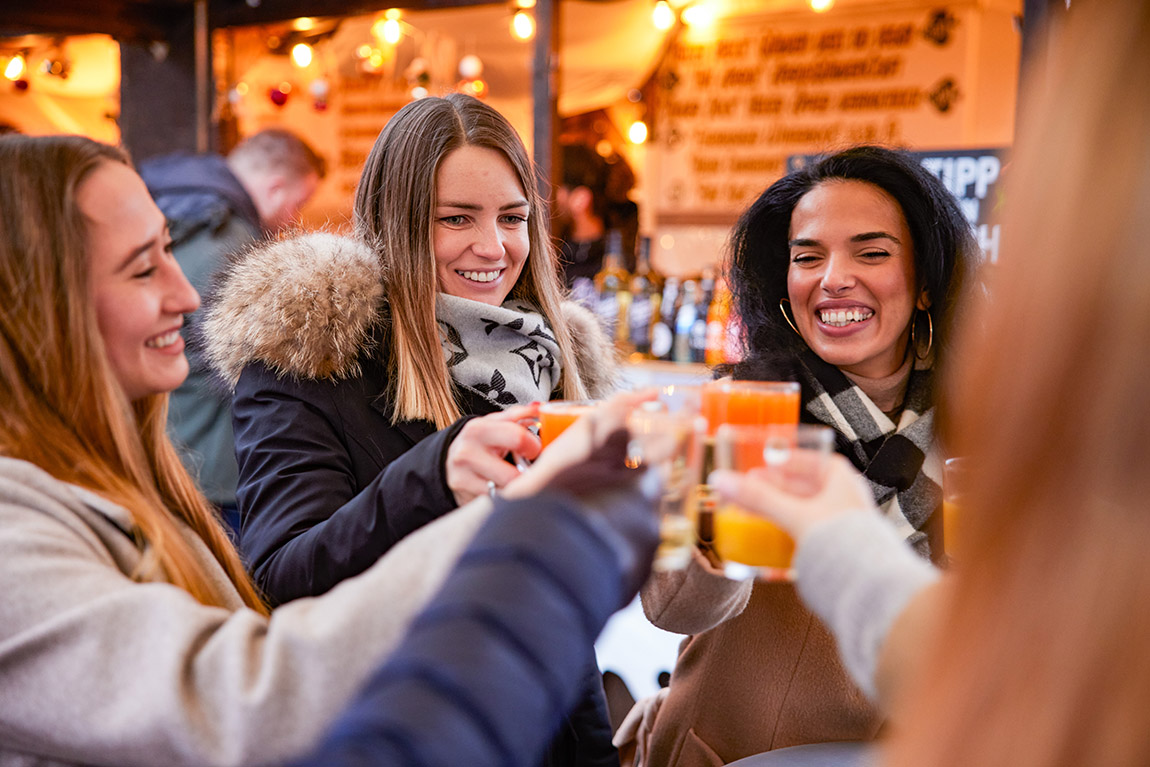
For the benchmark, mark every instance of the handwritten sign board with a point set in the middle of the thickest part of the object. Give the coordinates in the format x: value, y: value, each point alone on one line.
x: 732, y: 106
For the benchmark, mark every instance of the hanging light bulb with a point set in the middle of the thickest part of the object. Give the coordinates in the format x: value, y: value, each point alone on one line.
x: 698, y: 15
x: 663, y: 17
x: 301, y: 55
x: 392, y: 33
x: 15, y: 67
x: 818, y: 6
x: 387, y: 28
x: 522, y: 25
x: 637, y: 133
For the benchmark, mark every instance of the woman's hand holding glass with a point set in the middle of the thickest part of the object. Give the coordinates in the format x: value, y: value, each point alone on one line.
x: 475, y: 462
x: 580, y: 442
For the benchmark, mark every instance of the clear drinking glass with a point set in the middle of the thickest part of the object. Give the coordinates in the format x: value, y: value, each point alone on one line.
x: 672, y: 444
x: 794, y: 457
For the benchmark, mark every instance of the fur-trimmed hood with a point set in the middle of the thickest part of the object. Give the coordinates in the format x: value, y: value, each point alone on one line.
x: 307, y: 306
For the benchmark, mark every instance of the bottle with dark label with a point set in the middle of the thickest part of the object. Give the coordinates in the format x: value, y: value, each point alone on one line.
x: 663, y: 332
x: 645, y: 301
x: 611, y: 288
x: 684, y: 321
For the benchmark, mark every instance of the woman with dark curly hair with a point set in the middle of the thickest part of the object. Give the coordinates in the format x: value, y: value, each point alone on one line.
x: 844, y: 275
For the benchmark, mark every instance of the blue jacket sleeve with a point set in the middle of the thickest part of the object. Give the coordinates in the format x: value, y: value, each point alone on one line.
x: 322, y: 497
x: 488, y: 670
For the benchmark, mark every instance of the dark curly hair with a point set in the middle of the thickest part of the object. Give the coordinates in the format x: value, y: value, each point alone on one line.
x: 944, y: 247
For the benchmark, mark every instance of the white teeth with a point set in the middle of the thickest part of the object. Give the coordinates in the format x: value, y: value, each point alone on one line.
x: 480, y: 276
x: 159, y: 342
x: 844, y: 317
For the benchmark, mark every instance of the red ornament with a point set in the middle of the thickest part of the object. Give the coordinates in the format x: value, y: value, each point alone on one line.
x: 319, y: 105
x: 278, y: 97
x: 20, y: 85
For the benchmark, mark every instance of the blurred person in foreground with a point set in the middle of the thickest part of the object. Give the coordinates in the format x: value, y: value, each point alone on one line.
x: 130, y: 634
x: 845, y: 275
x: 215, y: 207
x: 1032, y: 652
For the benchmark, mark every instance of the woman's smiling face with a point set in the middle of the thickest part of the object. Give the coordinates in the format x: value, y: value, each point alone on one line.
x: 480, y: 230
x: 851, y: 279
x: 140, y: 294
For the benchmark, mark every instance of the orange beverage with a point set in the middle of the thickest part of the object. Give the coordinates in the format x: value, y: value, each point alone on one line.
x: 749, y: 403
x: 794, y: 457
x: 955, y: 483
x: 751, y: 540
x: 951, y: 537
x: 555, y: 417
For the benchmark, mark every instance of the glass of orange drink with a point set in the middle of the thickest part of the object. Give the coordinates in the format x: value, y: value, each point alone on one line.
x: 749, y: 402
x: 557, y: 415
x: 954, y: 484
x: 793, y: 456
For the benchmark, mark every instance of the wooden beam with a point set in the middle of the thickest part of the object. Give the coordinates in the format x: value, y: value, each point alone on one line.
x: 122, y: 20
x: 233, y: 13
x: 545, y: 94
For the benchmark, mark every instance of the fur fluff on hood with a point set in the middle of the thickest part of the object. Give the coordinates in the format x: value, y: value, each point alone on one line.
x: 306, y: 306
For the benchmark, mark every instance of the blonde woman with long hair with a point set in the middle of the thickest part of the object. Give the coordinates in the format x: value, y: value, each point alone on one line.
x: 1032, y: 653
x: 359, y: 363
x: 129, y: 631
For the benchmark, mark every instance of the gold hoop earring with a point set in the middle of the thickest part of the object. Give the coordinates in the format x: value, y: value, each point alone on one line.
x: 929, y: 337
x: 783, y: 309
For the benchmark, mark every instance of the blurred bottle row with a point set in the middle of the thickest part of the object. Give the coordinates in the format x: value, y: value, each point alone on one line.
x: 652, y: 317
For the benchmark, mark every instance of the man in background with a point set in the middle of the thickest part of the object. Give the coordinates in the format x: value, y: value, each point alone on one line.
x: 216, y: 206
x: 580, y: 207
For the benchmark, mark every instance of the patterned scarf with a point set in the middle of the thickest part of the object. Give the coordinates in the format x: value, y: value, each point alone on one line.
x: 901, y: 461
x: 505, y: 353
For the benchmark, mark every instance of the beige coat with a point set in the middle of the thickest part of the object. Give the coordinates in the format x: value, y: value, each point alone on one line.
x: 98, y: 669
x: 758, y: 672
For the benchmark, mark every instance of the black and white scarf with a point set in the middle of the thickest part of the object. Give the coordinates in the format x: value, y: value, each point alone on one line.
x: 507, y: 353
x: 901, y: 461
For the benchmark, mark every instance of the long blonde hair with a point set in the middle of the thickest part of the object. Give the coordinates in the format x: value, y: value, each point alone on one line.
x: 1043, y: 658
x: 63, y: 409
x: 394, y: 209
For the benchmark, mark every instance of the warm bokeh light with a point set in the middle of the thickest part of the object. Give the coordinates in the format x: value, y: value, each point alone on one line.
x: 392, y: 33
x: 603, y: 148
x: 637, y: 133
x: 363, y: 51
x: 301, y: 55
x: 698, y: 15
x: 303, y: 24
x: 242, y: 88
x: 15, y: 68
x: 523, y: 25
x: 663, y: 16
x: 818, y: 6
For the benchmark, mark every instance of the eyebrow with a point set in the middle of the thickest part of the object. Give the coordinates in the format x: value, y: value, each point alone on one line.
x: 472, y: 206
x: 803, y: 242
x: 141, y: 250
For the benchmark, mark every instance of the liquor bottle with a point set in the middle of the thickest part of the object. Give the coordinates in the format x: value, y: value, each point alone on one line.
x: 697, y: 340
x: 613, y: 297
x: 645, y: 301
x: 663, y: 332
x: 684, y: 321
x: 717, y: 318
